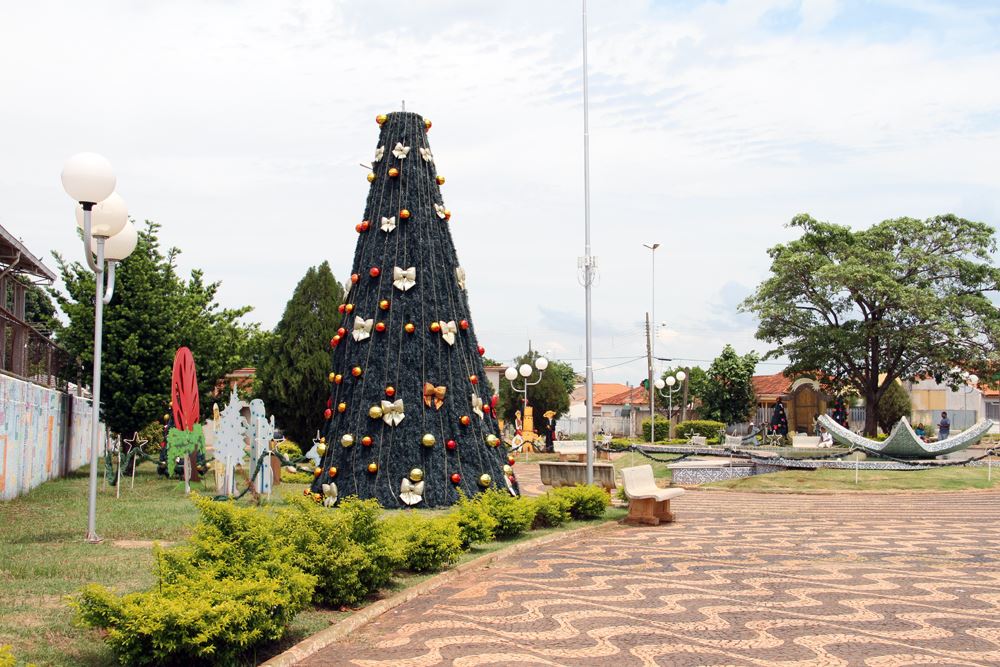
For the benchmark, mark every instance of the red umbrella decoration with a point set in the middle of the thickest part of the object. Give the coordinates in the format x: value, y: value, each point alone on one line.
x: 186, y: 437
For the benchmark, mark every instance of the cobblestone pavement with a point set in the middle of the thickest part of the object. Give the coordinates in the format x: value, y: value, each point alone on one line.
x: 739, y: 579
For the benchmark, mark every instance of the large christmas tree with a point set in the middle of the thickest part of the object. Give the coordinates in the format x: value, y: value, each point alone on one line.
x: 409, y: 421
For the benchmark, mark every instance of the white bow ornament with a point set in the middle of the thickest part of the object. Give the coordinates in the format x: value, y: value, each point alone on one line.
x: 448, y: 331
x: 388, y: 224
x: 329, y: 494
x: 425, y: 153
x: 401, y: 151
x: 460, y: 276
x: 411, y: 493
x: 440, y: 210
x: 379, y: 152
x: 404, y: 279
x: 362, y: 328
x: 392, y: 412
x: 477, y: 405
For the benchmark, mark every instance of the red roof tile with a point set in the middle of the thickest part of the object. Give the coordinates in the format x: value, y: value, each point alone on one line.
x: 635, y: 396
x: 771, y: 385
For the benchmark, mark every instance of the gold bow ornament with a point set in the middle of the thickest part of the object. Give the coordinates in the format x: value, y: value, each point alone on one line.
x: 411, y: 493
x: 392, y: 412
x: 434, y: 396
x: 404, y: 279
x: 362, y: 328
x: 448, y: 331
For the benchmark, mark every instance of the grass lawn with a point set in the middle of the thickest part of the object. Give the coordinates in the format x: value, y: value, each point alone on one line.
x: 43, y: 559
x: 829, y: 481
x: 629, y: 459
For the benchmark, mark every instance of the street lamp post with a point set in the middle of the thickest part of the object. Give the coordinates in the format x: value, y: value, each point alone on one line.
x: 652, y: 338
x: 525, y: 371
x: 672, y: 380
x: 107, y: 233
x: 970, y: 386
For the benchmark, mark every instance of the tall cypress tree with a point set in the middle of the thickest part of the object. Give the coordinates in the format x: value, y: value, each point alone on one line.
x: 292, y: 377
x: 410, y: 420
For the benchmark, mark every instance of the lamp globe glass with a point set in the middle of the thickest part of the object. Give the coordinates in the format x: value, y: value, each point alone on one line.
x: 524, y: 370
x: 107, y: 217
x: 541, y: 363
x: 681, y: 376
x: 671, y: 381
x: 510, y: 373
x: 121, y: 245
x: 88, y: 177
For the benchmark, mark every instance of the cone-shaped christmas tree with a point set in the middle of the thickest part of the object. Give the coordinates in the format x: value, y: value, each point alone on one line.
x: 840, y: 412
x: 779, y: 421
x: 409, y: 420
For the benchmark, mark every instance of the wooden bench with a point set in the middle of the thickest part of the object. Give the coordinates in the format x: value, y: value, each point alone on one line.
x: 648, y: 503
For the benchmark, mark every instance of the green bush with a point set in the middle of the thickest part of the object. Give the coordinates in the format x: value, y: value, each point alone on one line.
x: 424, y: 545
x: 586, y: 502
x: 346, y: 549
x: 704, y: 427
x: 475, y: 524
x: 290, y: 450
x: 7, y: 658
x: 662, y: 428
x: 195, y: 619
x: 551, y: 510
x: 296, y: 477
x: 513, y: 515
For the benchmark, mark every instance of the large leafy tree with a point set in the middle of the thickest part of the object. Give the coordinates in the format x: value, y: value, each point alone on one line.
x: 727, y: 390
x: 903, y: 299
x: 292, y: 378
x: 552, y: 393
x: 154, y: 311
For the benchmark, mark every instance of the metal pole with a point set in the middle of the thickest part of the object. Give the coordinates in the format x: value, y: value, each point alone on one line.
x: 587, y: 259
x: 95, y: 421
x: 651, y: 389
x: 652, y: 343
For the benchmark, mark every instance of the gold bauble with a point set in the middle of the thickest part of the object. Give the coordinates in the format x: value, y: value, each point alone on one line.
x: 381, y: 118
x: 492, y: 440
x: 371, y: 176
x: 440, y: 180
x: 416, y: 475
x: 485, y: 480
x: 375, y: 412
x: 507, y: 470
x: 347, y: 440
x: 317, y: 472
x: 341, y: 407
x: 373, y: 467
x: 428, y: 440
x: 332, y: 376
x: 321, y: 448
x: 323, y: 439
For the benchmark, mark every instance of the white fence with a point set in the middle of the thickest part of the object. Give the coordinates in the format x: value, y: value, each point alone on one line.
x: 617, y: 426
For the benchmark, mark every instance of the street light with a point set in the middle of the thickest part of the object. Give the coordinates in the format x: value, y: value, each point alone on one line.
x: 107, y: 233
x: 652, y: 337
x: 671, y: 380
x: 970, y: 386
x: 525, y: 371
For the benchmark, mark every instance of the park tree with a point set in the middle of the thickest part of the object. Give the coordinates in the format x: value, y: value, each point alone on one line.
x: 153, y: 312
x: 895, y: 405
x: 292, y: 378
x: 551, y: 393
x: 727, y: 392
x: 903, y: 299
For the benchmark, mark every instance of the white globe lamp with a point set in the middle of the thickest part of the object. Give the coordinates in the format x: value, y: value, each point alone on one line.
x: 121, y: 245
x: 659, y: 383
x: 525, y: 370
x: 681, y: 376
x: 541, y: 363
x: 88, y: 177
x: 107, y: 218
x: 671, y: 381
x: 510, y: 373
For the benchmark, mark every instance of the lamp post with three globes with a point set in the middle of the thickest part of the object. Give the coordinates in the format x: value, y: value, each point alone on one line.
x: 525, y: 371
x: 670, y: 382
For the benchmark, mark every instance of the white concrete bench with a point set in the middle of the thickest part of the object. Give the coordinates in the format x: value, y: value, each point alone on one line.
x: 803, y: 440
x: 648, y: 503
x: 566, y: 473
x: 734, y: 441
x: 699, y: 441
x: 577, y: 449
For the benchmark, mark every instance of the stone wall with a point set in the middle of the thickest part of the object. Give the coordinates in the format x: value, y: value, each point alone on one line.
x: 44, y: 434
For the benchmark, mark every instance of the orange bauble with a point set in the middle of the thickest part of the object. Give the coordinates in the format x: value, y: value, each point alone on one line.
x: 464, y: 419
x: 373, y: 467
x: 349, y: 307
x: 332, y: 471
x: 474, y: 379
x: 409, y: 328
x: 341, y: 407
x: 435, y: 327
x: 380, y: 327
x: 393, y: 172
x: 447, y: 214
x: 317, y: 472
x: 357, y: 228
x: 355, y: 278
x: 390, y: 391
x: 365, y: 225
x: 404, y: 214
x: 338, y: 378
x: 366, y: 441
x: 356, y: 371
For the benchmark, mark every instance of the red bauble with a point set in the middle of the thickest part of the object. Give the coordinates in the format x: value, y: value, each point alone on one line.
x: 329, y: 402
x: 334, y: 341
x: 355, y: 278
x: 327, y: 413
x: 341, y: 308
x: 451, y: 445
x: 493, y: 401
x: 486, y: 409
x: 373, y: 272
x: 366, y: 441
x: 481, y: 350
x: 341, y: 332
x: 404, y: 214
x: 464, y: 324
x: 390, y: 391
x: 356, y: 371
x: 380, y: 327
x: 473, y: 379
x: 510, y: 460
x: 365, y: 225
x: 456, y: 478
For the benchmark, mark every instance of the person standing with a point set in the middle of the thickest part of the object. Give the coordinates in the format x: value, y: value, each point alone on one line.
x: 944, y: 426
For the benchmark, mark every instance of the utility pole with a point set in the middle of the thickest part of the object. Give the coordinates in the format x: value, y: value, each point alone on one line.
x: 684, y: 408
x: 650, y: 389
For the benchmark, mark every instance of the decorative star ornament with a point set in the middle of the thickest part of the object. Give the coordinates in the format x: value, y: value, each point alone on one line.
x: 362, y: 328
x: 411, y: 493
x: 404, y: 279
x: 460, y: 276
x: 401, y: 151
x: 136, y: 441
x: 392, y: 412
x: 379, y: 152
x: 425, y: 153
x: 448, y: 331
x: 440, y: 210
x: 434, y: 396
x: 477, y: 405
x: 388, y: 224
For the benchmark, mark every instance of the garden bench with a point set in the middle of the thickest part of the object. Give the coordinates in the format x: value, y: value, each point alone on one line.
x: 734, y: 441
x: 647, y: 503
x: 803, y: 440
x: 571, y: 450
x: 566, y: 473
x: 699, y: 441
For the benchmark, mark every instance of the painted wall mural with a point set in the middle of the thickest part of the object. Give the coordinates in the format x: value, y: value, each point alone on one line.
x: 43, y: 435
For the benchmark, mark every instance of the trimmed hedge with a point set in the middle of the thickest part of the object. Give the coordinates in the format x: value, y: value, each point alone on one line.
x: 586, y: 502
x: 513, y: 515
x: 551, y: 510
x: 704, y: 427
x: 424, y: 545
x: 475, y: 524
x: 662, y: 428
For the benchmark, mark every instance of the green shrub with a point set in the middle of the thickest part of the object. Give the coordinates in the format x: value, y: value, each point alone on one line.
x: 586, y: 502
x: 424, y: 545
x: 704, y: 427
x: 195, y: 619
x: 662, y: 428
x: 551, y: 510
x: 475, y: 524
x: 513, y: 514
x: 577, y: 436
x: 7, y: 656
x: 290, y: 450
x: 346, y: 549
x: 296, y: 477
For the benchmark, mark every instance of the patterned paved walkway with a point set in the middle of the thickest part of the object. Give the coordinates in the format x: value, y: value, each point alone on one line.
x: 739, y: 579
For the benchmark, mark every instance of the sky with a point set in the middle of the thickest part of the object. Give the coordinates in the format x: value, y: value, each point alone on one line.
x: 239, y: 126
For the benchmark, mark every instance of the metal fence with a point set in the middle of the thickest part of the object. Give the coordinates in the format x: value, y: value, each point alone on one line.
x: 617, y: 426
x: 27, y: 354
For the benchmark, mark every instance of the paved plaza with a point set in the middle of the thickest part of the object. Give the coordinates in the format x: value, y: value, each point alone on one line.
x: 739, y: 579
